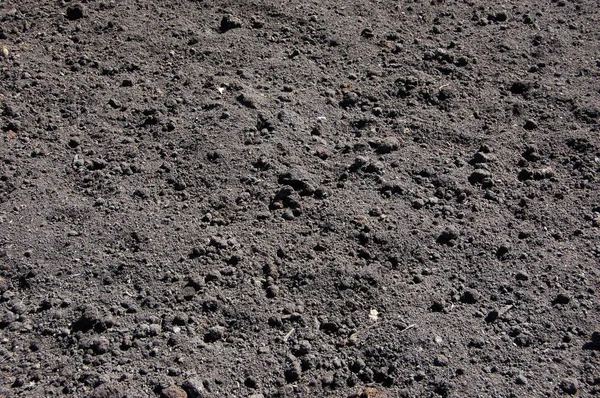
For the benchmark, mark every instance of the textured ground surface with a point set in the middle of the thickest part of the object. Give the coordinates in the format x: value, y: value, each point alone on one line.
x: 299, y: 198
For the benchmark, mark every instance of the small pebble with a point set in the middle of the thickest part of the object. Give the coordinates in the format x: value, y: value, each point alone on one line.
x: 418, y: 203
x: 173, y: 392
x: 214, y: 334
x: 440, y: 360
x: 522, y: 276
x: 448, y: 235
x: 470, y: 297
x: 229, y: 22
x: 569, y: 386
x: 492, y: 316
x: 562, y: 299
x: 530, y: 125
x: 272, y: 291
x: 521, y: 380
x: 75, y: 12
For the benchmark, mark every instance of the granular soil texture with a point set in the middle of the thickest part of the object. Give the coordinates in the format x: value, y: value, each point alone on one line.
x: 301, y: 198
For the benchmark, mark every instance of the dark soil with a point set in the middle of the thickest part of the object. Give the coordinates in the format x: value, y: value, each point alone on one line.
x: 322, y: 198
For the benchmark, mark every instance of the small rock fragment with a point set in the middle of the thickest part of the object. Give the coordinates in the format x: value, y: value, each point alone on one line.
x: 480, y: 157
x: 521, y: 380
x: 481, y: 176
x: 385, y: 145
x: 441, y: 361
x: 100, y: 345
x: 525, y: 174
x: 448, y: 235
x: 477, y: 342
x: 299, y: 180
x: 140, y: 193
x: 437, y: 306
x: 180, y: 319
x: 595, y: 340
x: 562, y: 299
x: 194, y: 387
x: 350, y: 98
x: 519, y: 87
x: 530, y: 125
x: 569, y: 386
x: 75, y: 12
x: 492, y: 316
x: 531, y: 153
x: 107, y: 390
x: 188, y: 292
x: 214, y: 334
x: 229, y: 22
x: 293, y: 372
x: 114, y: 103
x: 522, y: 276
x: 544, y: 173
x: 249, y: 100
x: 370, y: 392
x: 272, y: 291
x: 470, y: 297
x: 173, y: 392
x: 502, y: 250
x: 418, y: 203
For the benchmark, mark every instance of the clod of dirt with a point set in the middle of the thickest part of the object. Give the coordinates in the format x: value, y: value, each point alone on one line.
x: 293, y: 371
x: 536, y: 174
x: 520, y: 87
x: 522, y: 276
x: 492, y: 316
x: 477, y: 342
x: 531, y: 153
x: 251, y: 101
x: 569, y: 386
x: 418, y: 203
x: 437, y: 306
x: 481, y: 176
x: 370, y: 392
x: 448, y: 236
x: 100, y: 345
x: 214, y: 334
x: 75, y: 12
x: 530, y: 124
x: 272, y: 291
x: 561, y: 299
x: 595, y: 340
x: 299, y: 180
x: 229, y: 22
x: 470, y: 297
x: 194, y: 387
x: 441, y: 361
x: 108, y: 390
x: 480, y: 157
x: 521, y: 380
x: 350, y: 98
x: 385, y: 145
x: 173, y: 392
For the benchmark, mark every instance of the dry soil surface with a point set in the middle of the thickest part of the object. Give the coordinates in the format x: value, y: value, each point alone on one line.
x: 300, y: 198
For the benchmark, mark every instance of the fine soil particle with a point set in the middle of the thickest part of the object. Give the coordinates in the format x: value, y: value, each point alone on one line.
x: 263, y: 199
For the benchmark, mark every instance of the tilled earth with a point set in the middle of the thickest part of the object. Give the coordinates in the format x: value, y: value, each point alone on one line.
x: 301, y: 198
